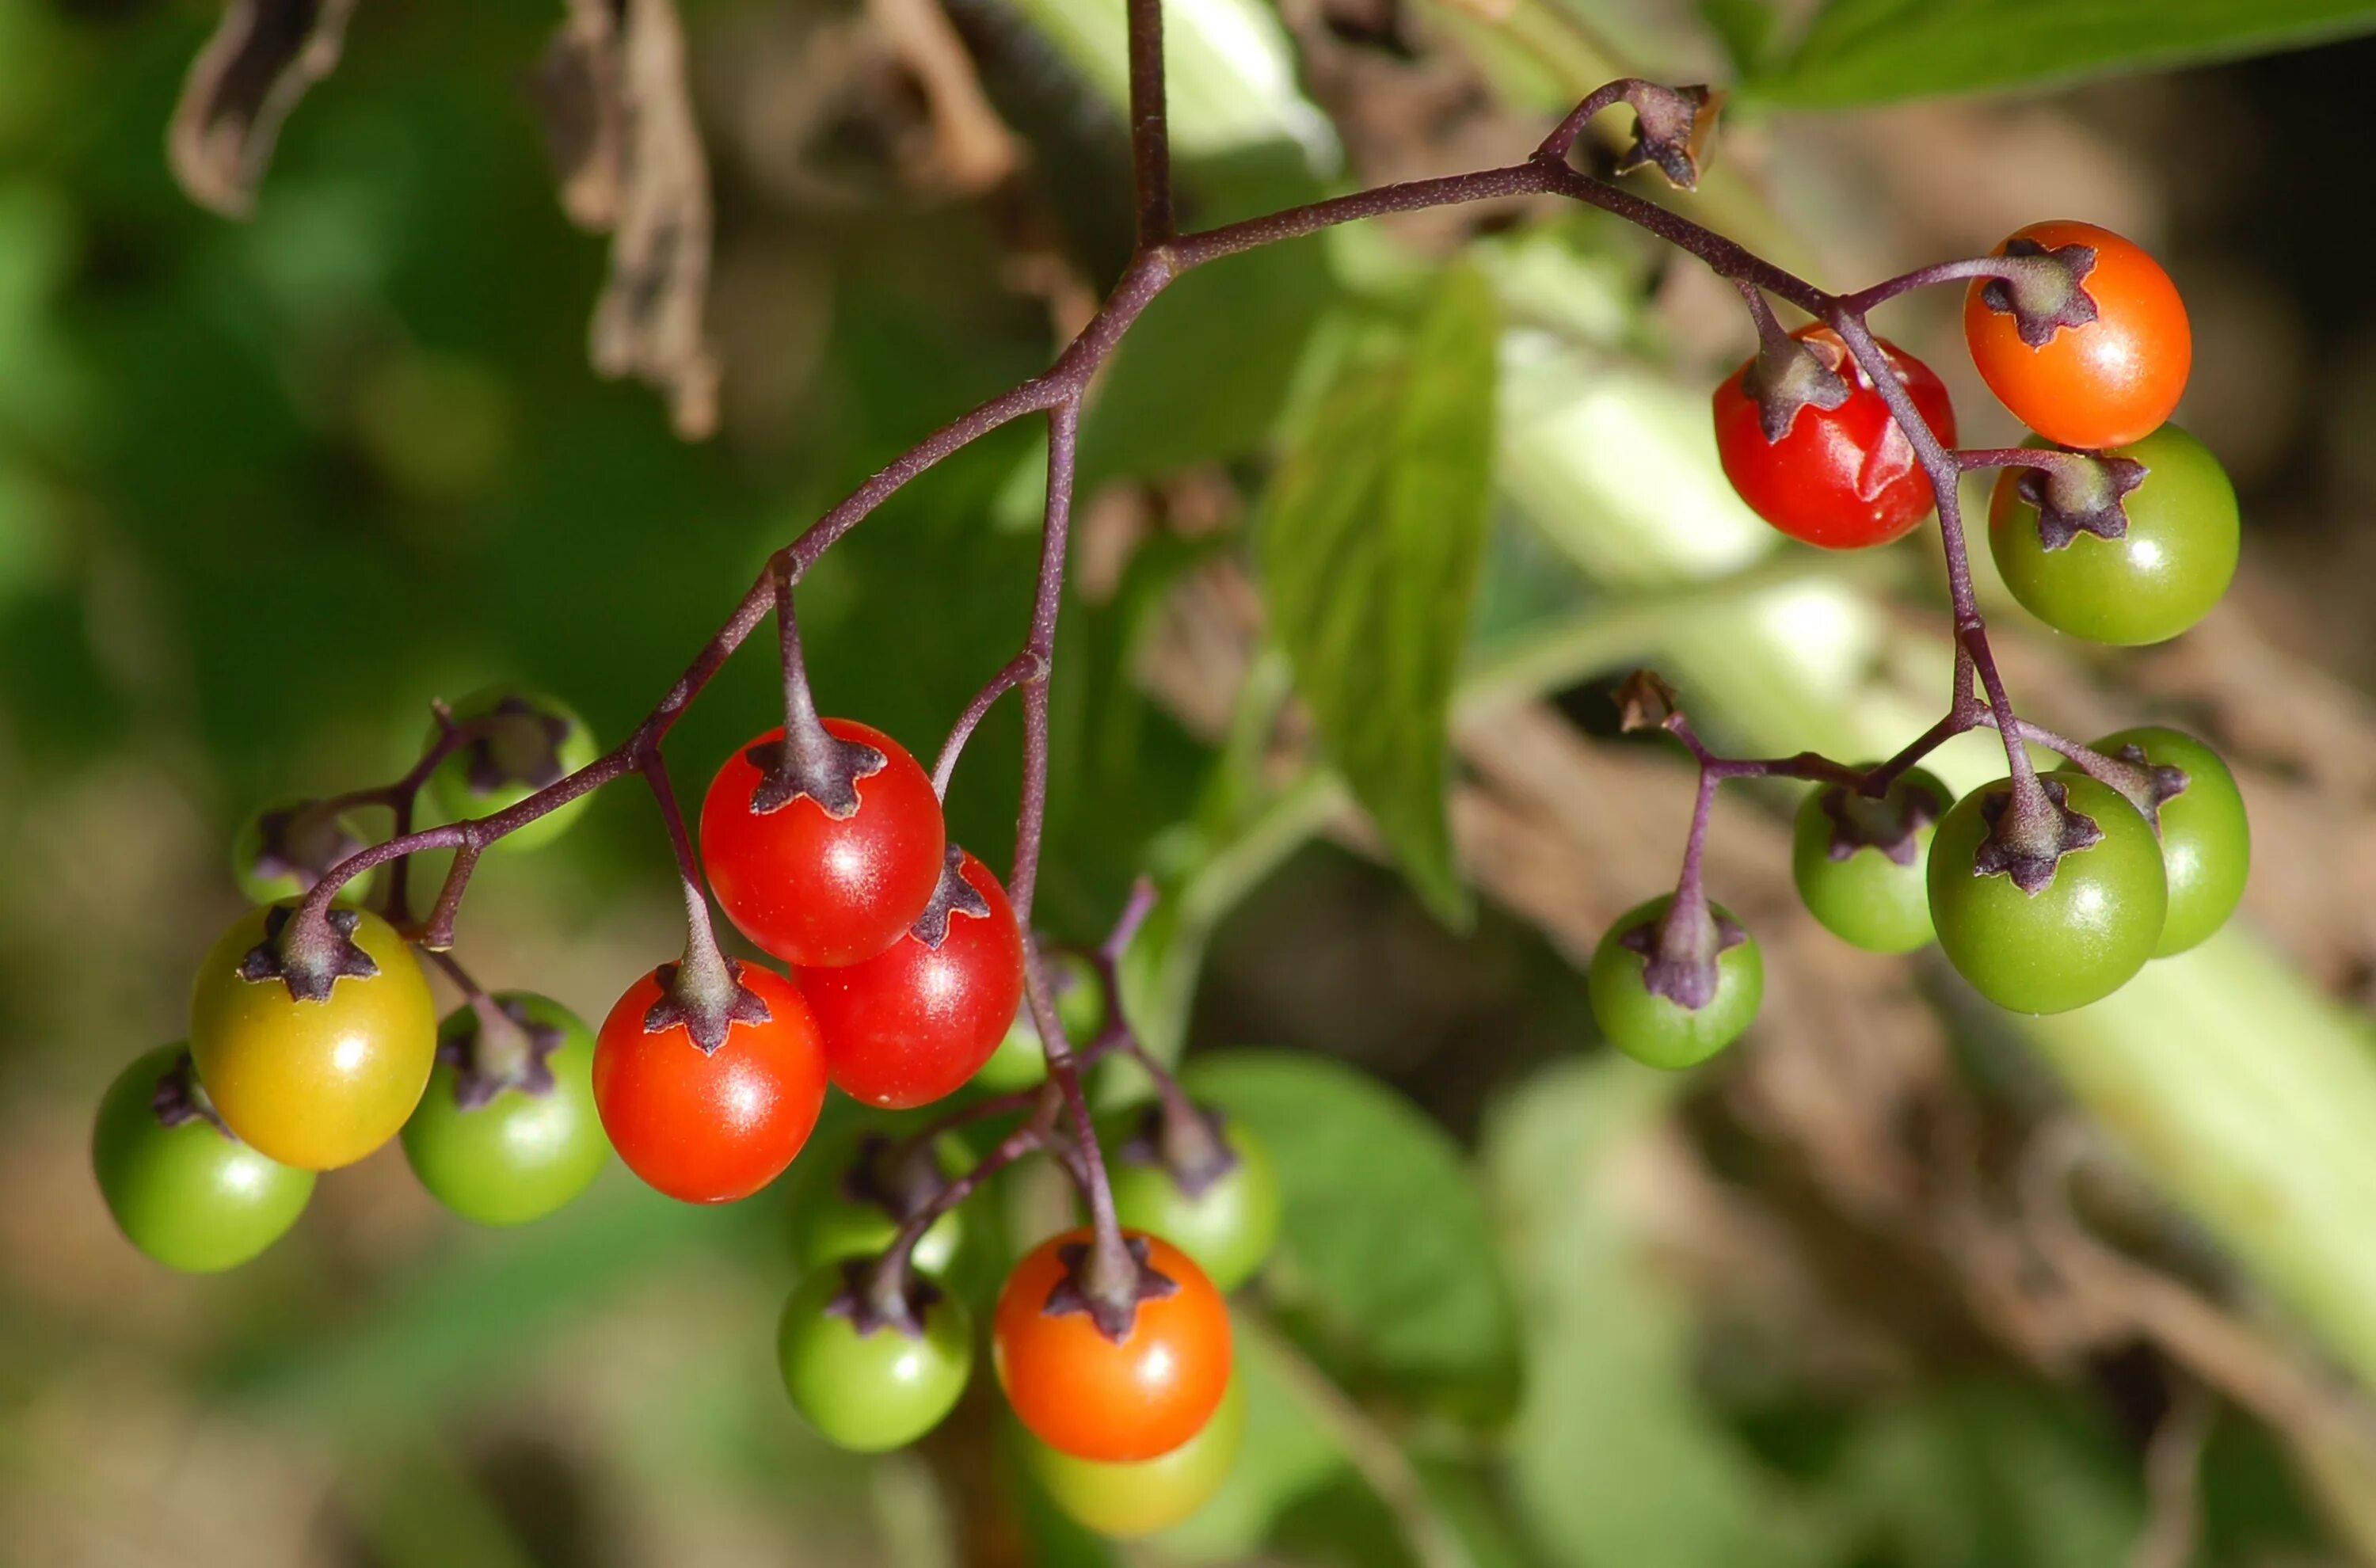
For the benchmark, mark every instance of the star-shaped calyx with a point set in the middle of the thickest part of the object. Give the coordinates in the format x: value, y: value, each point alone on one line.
x: 1790, y: 374
x: 178, y: 1099
x: 1891, y: 822
x: 952, y: 895
x: 1673, y: 130
x: 901, y: 1188
x: 873, y: 1303
x: 1185, y: 1141
x: 297, y: 842
x: 1681, y: 956
x: 706, y: 1025
x: 2043, y: 299
x: 2080, y: 495
x: 474, y: 1084
x: 521, y: 746
x: 2160, y: 782
x: 1645, y: 700
x: 1113, y: 1319
x: 824, y: 767
x: 2028, y: 853
x: 272, y: 959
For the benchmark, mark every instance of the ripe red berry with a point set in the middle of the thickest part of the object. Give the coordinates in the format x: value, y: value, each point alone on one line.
x: 913, y: 1022
x: 811, y: 888
x: 709, y: 1127
x: 1842, y: 478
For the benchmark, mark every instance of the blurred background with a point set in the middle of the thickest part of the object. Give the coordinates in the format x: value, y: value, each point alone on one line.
x: 1901, y: 1282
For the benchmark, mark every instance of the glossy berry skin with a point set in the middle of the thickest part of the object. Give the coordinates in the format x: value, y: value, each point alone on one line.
x: 1128, y: 1501
x: 913, y: 1022
x: 1842, y: 478
x: 2206, y: 841
x: 532, y: 740
x: 814, y: 891
x: 307, y: 848
x: 519, y: 1156
x: 1653, y: 1029
x: 828, y: 1225
x: 188, y: 1195
x: 315, y: 1085
x: 2160, y: 576
x: 871, y: 1392
x: 1021, y: 1060
x: 1228, y: 1228
x: 2106, y: 383
x: 2080, y: 938
x: 1083, y: 1395
x: 709, y: 1127
x: 1869, y: 899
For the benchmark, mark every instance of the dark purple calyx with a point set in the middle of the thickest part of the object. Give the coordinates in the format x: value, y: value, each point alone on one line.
x: 1114, y: 1313
x: 180, y: 1099
x: 1680, y: 951
x: 824, y: 767
x: 2153, y: 784
x: 705, y: 1014
x: 882, y: 1293
x: 902, y: 1179
x: 1187, y: 1141
x: 2028, y: 851
x: 512, y: 1050
x: 311, y: 969
x: 1790, y: 374
x: 952, y: 895
x: 2080, y: 495
x: 2042, y: 289
x: 519, y: 744
x: 1891, y: 822
x: 301, y: 843
x: 1674, y: 128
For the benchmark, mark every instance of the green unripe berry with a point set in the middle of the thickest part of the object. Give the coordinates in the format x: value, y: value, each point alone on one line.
x: 1655, y: 1029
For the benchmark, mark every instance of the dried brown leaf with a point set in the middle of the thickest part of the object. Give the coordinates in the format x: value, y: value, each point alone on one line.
x: 618, y: 117
x: 263, y: 56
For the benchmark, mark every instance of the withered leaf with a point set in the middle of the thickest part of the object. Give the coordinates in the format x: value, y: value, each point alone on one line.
x: 263, y: 56
x: 618, y: 118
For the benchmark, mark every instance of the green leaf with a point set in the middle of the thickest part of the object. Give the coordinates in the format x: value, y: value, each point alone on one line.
x: 1372, y: 535
x: 1385, y: 1257
x: 1994, y: 1473
x: 1745, y: 27
x: 1614, y: 1457
x: 1872, y: 51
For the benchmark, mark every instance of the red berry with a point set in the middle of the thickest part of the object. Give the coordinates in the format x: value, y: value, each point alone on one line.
x: 915, y: 1022
x: 1840, y: 478
x: 710, y: 1127
x: 814, y: 889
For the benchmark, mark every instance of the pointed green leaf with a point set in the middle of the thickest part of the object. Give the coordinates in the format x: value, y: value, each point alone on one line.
x: 1372, y: 535
x: 1870, y: 50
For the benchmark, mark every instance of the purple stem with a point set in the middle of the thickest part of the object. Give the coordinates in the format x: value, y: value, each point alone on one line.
x: 1864, y: 300
x: 1150, y: 134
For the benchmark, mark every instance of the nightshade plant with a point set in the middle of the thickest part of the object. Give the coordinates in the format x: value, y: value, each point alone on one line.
x: 913, y: 968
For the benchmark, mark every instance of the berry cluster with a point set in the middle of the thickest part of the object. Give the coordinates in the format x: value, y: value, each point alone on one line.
x: 824, y: 841
x: 910, y: 972
x: 2111, y: 524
